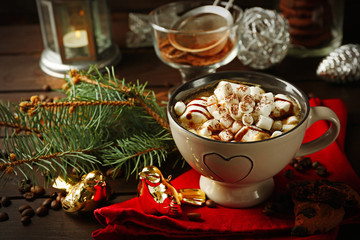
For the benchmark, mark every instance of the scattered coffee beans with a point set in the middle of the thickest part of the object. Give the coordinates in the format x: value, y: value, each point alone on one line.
x: 25, y: 188
x: 42, y: 211
x: 3, y: 216
x: 23, y: 207
x: 37, y: 190
x: 302, y: 163
x: 53, y: 195
x: 60, y: 196
x: 55, y: 205
x: 5, y: 201
x: 47, y: 202
x: 25, y: 220
x: 210, y: 203
x: 321, y: 171
x: 194, y: 217
x: 28, y: 212
x: 29, y: 196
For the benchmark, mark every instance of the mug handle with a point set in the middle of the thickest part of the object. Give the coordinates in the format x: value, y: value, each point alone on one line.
x: 316, y: 114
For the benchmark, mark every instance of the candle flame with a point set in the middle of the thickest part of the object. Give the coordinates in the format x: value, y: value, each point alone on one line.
x: 77, y: 34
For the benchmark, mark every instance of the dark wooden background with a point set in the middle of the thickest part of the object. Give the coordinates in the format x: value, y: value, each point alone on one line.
x: 21, y: 77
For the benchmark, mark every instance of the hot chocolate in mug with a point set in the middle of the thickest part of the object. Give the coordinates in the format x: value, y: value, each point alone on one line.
x: 240, y: 174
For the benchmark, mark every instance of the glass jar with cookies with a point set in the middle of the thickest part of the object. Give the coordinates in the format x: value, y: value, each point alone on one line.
x: 315, y: 25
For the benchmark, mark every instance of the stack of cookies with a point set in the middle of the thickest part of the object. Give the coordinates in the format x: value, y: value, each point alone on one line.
x: 310, y: 21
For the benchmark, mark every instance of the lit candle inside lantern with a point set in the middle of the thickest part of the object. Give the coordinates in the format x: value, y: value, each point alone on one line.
x: 76, y: 39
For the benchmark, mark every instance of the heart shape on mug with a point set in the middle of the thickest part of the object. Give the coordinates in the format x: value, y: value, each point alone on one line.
x: 231, y: 170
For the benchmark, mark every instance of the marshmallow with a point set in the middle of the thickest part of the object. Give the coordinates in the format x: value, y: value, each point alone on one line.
x: 195, y: 113
x: 247, y: 98
x: 226, y: 135
x: 223, y: 90
x: 264, y: 109
x: 292, y: 120
x: 242, y: 90
x: 277, y: 125
x: 216, y: 114
x: 231, y: 99
x: 236, y: 126
x: 267, y: 98
x: 264, y: 122
x: 287, y: 127
x: 206, y: 132
x: 212, y: 124
x: 179, y: 108
x: 247, y: 134
x: 226, y: 120
x: 211, y: 100
x: 245, y: 107
x: 255, y: 92
x: 235, y: 112
x: 212, y: 108
x: 282, y: 96
x: 247, y: 119
x: 282, y: 106
x: 276, y: 133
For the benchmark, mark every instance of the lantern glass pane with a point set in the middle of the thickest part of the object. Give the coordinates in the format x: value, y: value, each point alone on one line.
x: 48, y: 30
x: 73, y: 31
x: 102, y: 25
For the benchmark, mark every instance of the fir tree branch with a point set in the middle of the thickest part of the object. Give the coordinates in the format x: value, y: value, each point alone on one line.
x: 102, y: 122
x: 73, y: 104
x: 18, y: 128
x: 77, y: 77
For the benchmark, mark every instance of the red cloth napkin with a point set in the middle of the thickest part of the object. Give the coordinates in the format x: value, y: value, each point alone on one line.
x: 126, y: 220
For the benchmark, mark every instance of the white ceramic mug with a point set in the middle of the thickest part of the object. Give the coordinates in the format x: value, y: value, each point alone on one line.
x: 240, y: 174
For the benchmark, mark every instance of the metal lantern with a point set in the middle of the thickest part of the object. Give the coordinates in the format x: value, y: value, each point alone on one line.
x: 76, y: 34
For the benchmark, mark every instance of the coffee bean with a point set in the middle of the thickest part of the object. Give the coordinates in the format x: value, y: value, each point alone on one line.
x: 5, y: 201
x: 53, y: 195
x: 25, y: 188
x: 298, y: 167
x: 316, y: 164
x: 25, y: 220
x: 60, y: 196
x: 28, y: 212
x: 321, y: 171
x: 55, y: 205
x: 194, y: 217
x: 3, y: 216
x: 46, y: 87
x: 42, y: 211
x: 210, y: 203
x: 29, y: 196
x: 47, y: 202
x: 305, y: 162
x: 23, y: 207
x: 38, y: 190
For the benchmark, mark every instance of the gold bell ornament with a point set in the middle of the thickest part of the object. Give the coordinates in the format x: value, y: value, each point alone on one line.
x: 85, y: 194
x: 158, y: 197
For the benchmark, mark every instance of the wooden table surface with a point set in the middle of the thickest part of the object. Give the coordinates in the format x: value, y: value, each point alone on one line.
x: 21, y: 77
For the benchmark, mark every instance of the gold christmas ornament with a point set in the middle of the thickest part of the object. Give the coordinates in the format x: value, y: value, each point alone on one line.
x: 158, y: 197
x: 83, y: 195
